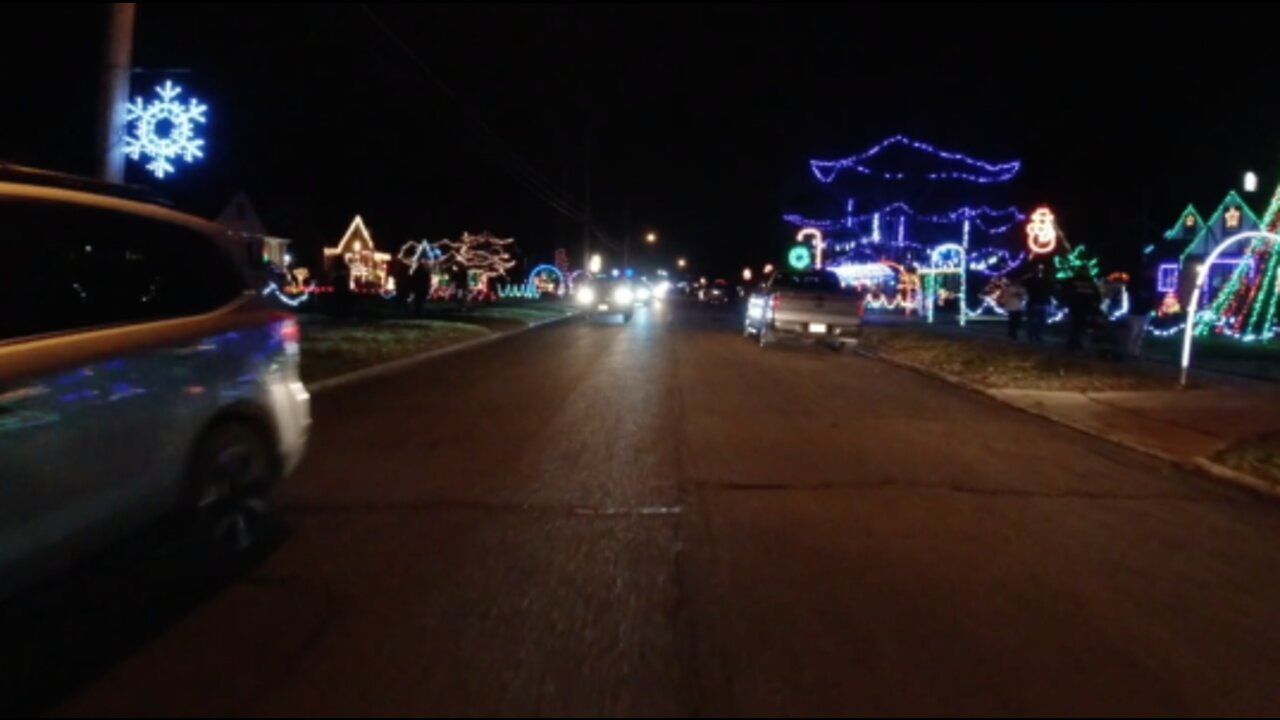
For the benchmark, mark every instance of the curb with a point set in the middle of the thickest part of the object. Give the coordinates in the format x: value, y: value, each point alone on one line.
x: 1202, y: 466
x: 391, y: 366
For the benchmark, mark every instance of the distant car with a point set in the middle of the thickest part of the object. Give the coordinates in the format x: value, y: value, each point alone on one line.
x: 141, y: 376
x: 644, y: 293
x: 606, y: 296
x: 810, y: 306
x: 715, y: 293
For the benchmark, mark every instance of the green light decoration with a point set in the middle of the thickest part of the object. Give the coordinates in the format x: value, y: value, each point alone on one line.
x: 1066, y: 266
x: 800, y: 257
x: 1181, y: 227
x: 1246, y: 220
x: 1245, y: 309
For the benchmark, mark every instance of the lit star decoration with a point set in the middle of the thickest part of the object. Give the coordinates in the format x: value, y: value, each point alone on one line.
x: 1042, y: 231
x: 164, y: 129
x: 1232, y: 218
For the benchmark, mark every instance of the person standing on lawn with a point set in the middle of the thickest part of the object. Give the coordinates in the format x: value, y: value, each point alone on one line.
x: 1083, y: 300
x: 1142, y: 302
x: 1039, y: 292
x: 1014, y: 301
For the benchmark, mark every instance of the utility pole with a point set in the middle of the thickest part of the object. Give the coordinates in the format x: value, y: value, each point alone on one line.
x: 626, y: 235
x: 117, y: 61
x: 586, y: 197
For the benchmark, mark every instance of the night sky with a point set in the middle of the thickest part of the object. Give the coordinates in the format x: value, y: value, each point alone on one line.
x: 701, y: 119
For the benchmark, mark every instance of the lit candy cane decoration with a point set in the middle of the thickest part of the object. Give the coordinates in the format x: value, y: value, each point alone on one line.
x: 1042, y: 231
x: 813, y: 235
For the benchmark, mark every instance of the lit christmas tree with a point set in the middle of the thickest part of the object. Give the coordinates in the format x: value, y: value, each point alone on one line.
x: 1246, y: 307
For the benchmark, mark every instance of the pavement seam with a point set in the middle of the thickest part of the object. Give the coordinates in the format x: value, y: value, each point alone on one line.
x: 393, y: 366
x: 1201, y: 466
x: 947, y: 487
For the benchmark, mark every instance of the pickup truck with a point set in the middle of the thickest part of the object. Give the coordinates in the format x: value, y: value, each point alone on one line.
x: 810, y: 306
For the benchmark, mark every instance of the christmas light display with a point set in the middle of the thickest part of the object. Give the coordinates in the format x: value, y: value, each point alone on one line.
x: 1066, y: 266
x: 547, y: 279
x: 1167, y: 277
x: 366, y: 265
x: 1042, y: 231
x: 272, y: 290
x: 164, y: 129
x: 1265, y: 330
x: 975, y: 170
x: 800, y: 258
x: 1232, y: 215
x: 862, y: 273
x: 484, y: 255
x: 1189, y: 223
x: 944, y: 260
x: 813, y: 235
x: 991, y: 221
x: 417, y: 254
x: 1245, y: 308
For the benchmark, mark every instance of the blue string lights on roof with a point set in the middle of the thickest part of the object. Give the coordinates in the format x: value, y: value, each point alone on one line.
x: 976, y: 171
x: 1001, y: 219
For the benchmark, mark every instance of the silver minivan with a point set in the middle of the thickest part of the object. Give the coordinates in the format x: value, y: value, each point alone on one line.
x: 140, y: 375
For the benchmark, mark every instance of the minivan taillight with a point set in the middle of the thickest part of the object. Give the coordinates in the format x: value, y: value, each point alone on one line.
x: 290, y: 333
x: 775, y: 303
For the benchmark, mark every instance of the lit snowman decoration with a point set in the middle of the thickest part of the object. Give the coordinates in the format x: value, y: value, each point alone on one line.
x: 1042, y: 231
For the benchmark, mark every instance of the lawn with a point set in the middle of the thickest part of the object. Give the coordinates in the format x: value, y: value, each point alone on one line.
x: 1258, y: 456
x: 998, y: 364
x: 528, y: 314
x: 332, y: 347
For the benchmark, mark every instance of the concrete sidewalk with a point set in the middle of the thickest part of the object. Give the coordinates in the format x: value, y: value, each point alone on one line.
x: 1188, y: 427
x: 1181, y: 424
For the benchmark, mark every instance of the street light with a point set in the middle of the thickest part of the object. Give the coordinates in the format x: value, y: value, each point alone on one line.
x: 595, y: 264
x: 651, y: 238
x: 1250, y: 181
x: 746, y: 274
x: 680, y: 263
x: 768, y: 268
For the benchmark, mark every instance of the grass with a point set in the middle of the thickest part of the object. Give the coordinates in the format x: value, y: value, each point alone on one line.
x: 998, y: 364
x: 525, y: 314
x: 332, y: 347
x: 1258, y: 456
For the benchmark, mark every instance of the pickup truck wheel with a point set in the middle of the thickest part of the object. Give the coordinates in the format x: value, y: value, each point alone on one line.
x: 766, y: 337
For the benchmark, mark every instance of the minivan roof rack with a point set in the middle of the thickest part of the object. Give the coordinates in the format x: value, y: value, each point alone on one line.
x: 12, y: 172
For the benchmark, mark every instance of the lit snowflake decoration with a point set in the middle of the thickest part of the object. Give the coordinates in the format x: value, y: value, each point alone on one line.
x: 164, y: 129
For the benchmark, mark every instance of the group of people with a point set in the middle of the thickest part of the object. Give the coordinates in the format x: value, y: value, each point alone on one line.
x: 1089, y: 313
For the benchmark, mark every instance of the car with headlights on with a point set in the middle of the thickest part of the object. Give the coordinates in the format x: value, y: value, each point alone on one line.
x: 606, y: 296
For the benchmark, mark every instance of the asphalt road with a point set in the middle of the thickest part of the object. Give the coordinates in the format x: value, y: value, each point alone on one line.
x: 660, y: 518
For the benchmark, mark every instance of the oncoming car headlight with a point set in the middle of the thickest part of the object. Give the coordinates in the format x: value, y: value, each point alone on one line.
x: 623, y: 295
x: 643, y: 294
x: 585, y: 296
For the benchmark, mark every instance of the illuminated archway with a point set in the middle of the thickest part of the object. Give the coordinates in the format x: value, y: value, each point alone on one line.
x: 939, y: 266
x: 561, y: 286
x: 1202, y: 273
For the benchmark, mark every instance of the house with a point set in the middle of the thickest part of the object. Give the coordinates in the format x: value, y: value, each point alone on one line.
x: 1192, y: 239
x: 254, y: 245
x: 365, y: 264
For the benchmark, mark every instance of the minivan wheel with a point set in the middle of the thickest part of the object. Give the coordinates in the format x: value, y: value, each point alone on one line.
x: 232, y: 471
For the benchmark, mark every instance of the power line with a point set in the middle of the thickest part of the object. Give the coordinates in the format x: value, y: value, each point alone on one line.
x: 516, y: 166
